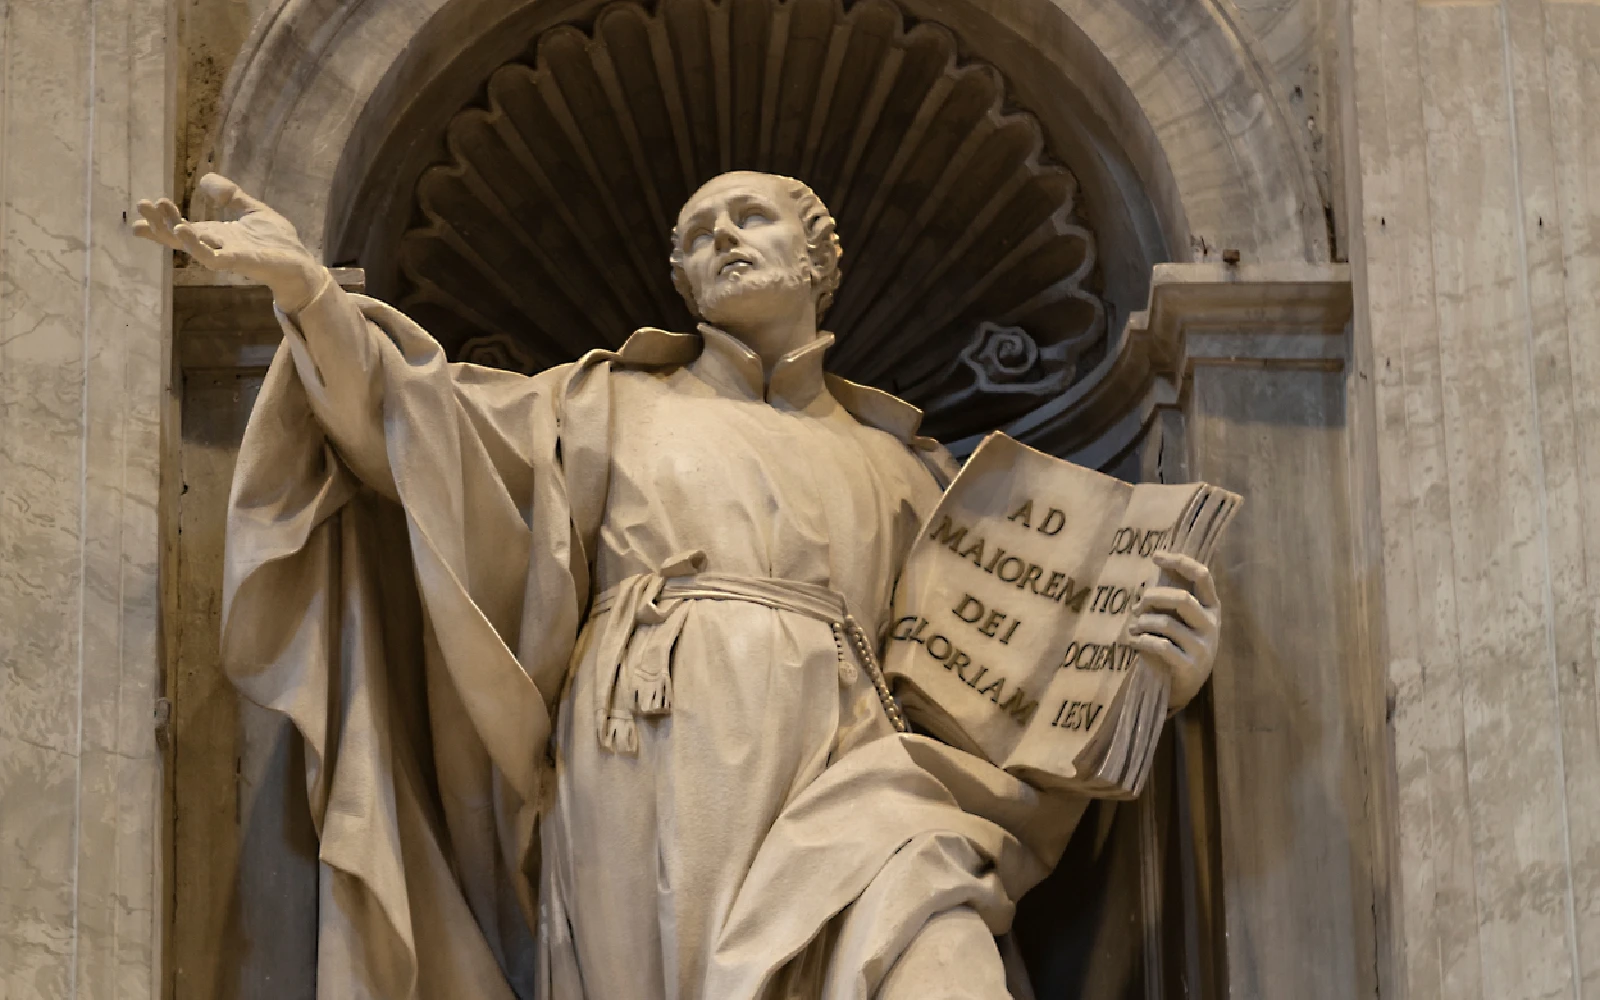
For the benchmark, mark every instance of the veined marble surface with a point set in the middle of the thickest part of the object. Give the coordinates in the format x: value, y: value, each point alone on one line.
x: 83, y: 123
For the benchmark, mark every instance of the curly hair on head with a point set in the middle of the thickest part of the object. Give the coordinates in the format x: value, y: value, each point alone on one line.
x: 822, y: 247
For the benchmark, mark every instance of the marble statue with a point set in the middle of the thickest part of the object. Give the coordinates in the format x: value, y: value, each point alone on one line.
x: 584, y: 661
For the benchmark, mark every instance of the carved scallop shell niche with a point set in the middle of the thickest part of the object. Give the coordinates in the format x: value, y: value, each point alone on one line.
x: 970, y: 279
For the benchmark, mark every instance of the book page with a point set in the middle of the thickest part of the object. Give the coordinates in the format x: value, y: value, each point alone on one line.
x: 1009, y: 620
x: 993, y: 589
x: 1095, y: 661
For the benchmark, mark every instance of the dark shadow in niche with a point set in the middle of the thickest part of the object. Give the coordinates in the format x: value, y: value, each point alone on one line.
x: 273, y: 921
x: 1132, y: 911
x: 1078, y: 930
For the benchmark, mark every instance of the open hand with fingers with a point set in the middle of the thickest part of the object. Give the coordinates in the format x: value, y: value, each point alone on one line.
x: 1177, y: 627
x: 252, y: 241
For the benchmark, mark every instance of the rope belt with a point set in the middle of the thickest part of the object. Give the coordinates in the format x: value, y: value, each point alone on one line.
x: 636, y: 676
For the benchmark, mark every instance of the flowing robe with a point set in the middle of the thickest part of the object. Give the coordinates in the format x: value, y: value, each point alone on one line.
x: 768, y: 835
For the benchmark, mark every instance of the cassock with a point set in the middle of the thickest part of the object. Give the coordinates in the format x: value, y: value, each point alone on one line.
x: 584, y: 664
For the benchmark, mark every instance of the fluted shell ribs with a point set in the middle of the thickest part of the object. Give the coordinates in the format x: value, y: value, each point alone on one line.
x: 968, y: 272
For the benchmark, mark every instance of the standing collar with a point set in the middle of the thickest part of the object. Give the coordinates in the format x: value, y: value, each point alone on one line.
x: 723, y: 362
x: 728, y: 365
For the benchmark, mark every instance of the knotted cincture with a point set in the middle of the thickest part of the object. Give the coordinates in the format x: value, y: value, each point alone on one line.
x: 638, y: 684
x: 636, y: 664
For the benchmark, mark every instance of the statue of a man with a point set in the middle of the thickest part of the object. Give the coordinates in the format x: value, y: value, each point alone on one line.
x: 584, y: 660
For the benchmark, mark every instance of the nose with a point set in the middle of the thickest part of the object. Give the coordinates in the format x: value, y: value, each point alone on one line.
x: 725, y: 235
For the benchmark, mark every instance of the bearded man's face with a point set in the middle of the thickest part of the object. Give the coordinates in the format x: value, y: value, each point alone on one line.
x: 744, y: 252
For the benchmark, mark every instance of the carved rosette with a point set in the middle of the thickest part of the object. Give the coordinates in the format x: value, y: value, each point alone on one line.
x: 969, y: 273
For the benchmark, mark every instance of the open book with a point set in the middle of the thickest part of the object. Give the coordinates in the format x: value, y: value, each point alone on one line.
x: 1010, y: 615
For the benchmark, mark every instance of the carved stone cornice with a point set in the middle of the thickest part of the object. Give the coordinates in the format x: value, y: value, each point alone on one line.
x: 1282, y: 314
x: 1245, y: 314
x: 223, y: 321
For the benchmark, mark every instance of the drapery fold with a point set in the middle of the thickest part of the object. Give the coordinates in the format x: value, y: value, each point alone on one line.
x: 897, y: 831
x: 418, y: 629
x: 444, y: 810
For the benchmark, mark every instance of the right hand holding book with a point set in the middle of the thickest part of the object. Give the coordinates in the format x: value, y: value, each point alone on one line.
x: 1176, y: 624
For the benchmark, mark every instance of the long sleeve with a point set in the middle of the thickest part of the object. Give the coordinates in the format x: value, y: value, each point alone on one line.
x: 347, y: 612
x: 337, y: 353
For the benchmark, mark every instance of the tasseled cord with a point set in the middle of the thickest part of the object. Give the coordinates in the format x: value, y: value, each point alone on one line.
x: 652, y: 689
x: 619, y: 734
x: 646, y: 687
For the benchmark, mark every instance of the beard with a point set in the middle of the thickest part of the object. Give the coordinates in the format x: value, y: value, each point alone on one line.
x: 732, y: 295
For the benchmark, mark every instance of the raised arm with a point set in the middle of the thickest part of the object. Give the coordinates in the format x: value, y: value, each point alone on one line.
x: 339, y: 364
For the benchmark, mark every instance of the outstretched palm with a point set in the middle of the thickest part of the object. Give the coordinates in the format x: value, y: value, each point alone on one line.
x: 253, y: 241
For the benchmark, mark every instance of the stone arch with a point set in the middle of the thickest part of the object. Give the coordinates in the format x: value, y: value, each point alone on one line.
x: 1176, y: 145
x: 1174, y: 87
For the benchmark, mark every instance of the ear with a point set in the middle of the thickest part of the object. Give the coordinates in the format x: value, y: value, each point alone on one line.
x: 808, y: 267
x: 680, y: 281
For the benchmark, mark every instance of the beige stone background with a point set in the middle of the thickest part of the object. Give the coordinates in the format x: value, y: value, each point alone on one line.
x: 1475, y: 203
x: 1456, y: 149
x: 86, y: 121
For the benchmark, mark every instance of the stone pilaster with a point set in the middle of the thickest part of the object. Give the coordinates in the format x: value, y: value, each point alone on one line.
x: 1474, y: 202
x: 85, y: 129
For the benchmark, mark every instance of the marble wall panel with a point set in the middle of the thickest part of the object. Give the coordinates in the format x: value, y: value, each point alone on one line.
x: 1466, y: 129
x: 1569, y: 358
x: 1509, y: 710
x: 1299, y: 880
x: 84, y: 130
